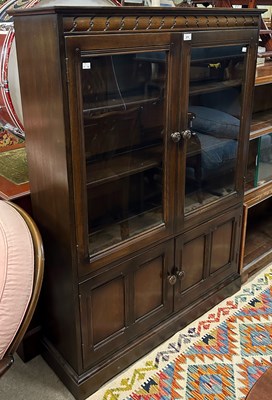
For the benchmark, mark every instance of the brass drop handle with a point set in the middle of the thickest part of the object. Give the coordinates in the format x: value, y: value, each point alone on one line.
x: 180, y: 274
x: 176, y: 136
x: 172, y: 279
x: 186, y: 134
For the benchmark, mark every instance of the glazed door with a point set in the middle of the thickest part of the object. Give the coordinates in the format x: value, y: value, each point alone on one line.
x: 122, y: 156
x: 214, y: 127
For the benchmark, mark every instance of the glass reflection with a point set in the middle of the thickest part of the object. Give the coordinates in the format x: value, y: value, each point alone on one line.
x: 265, y: 159
x: 216, y: 76
x: 123, y: 101
x: 259, y: 169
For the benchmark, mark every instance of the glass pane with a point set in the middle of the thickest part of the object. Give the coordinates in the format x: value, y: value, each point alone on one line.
x: 264, y: 173
x: 259, y: 163
x: 123, y: 101
x: 216, y: 76
x: 252, y: 161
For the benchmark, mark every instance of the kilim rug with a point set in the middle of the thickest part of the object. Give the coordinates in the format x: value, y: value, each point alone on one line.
x: 217, y: 357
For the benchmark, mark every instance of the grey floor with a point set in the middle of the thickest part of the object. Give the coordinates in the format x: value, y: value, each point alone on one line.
x: 34, y: 380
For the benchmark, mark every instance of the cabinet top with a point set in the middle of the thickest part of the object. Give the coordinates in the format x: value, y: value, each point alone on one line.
x: 109, y: 6
x: 86, y: 19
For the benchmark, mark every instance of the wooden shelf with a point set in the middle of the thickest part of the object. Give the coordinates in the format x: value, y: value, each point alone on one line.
x: 266, y: 54
x: 259, y: 248
x: 124, y: 229
x: 117, y: 104
x: 258, y: 194
x: 264, y: 74
x: 210, y: 87
x: 124, y: 165
x: 265, y: 31
x: 261, y: 124
x: 258, y: 245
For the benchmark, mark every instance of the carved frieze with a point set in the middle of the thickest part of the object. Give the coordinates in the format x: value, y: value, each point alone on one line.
x: 127, y: 23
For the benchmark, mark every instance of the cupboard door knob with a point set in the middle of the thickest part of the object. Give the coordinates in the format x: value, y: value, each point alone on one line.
x: 180, y: 274
x: 186, y: 134
x: 172, y: 279
x: 176, y: 136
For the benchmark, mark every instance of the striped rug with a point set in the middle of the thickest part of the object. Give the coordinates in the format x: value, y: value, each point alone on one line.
x: 217, y: 357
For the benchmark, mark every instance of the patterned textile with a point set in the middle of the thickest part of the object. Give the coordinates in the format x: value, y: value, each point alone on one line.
x: 13, y: 165
x: 218, y: 357
x: 7, y: 139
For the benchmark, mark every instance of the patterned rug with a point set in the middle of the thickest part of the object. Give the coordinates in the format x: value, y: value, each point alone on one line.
x: 7, y: 139
x: 218, y: 357
x: 13, y: 165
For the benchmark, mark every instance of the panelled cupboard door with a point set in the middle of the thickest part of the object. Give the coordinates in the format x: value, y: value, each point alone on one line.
x: 205, y: 257
x: 123, y: 96
x: 123, y: 303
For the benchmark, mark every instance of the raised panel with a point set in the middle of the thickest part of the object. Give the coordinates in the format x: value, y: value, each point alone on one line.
x: 148, y: 287
x: 193, y: 262
x: 104, y: 314
x: 107, y: 309
x: 221, y: 246
x: 192, y: 250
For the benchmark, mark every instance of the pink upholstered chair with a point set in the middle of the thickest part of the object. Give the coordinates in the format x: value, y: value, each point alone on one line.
x: 21, y: 274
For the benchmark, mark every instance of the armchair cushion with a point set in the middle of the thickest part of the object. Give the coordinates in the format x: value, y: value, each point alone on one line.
x: 16, y: 273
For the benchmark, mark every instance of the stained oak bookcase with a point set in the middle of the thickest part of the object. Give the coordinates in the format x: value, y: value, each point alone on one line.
x: 257, y: 221
x: 136, y: 186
